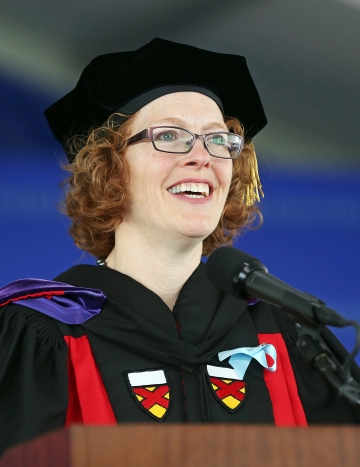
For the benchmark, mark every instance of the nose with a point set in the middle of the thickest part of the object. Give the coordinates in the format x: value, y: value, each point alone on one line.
x: 198, y: 156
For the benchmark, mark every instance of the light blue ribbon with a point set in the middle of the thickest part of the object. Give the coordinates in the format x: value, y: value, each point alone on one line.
x: 240, y: 358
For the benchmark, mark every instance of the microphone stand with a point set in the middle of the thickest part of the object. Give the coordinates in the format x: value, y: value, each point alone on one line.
x: 314, y: 350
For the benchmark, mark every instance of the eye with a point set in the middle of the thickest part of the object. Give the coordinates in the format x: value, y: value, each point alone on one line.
x: 217, y: 139
x: 166, y: 136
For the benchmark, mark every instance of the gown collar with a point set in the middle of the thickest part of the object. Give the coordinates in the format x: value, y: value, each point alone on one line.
x: 199, y: 327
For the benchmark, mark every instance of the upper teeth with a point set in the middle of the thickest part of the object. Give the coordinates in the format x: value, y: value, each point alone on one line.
x: 202, y: 188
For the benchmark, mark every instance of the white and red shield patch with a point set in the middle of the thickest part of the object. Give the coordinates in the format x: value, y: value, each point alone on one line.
x: 151, y: 391
x: 227, y: 387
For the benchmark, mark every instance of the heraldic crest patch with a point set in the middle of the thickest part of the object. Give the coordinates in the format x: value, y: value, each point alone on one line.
x: 151, y: 391
x: 227, y: 387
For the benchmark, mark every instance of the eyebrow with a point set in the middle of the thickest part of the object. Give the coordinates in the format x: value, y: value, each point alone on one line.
x: 179, y: 122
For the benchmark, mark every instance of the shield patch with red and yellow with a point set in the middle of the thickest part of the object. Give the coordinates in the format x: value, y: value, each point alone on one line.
x: 227, y: 387
x: 151, y: 392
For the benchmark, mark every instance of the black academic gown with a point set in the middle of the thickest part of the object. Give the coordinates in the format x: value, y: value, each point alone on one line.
x: 135, y: 332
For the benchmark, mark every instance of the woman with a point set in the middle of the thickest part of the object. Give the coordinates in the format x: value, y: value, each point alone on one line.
x: 160, y: 178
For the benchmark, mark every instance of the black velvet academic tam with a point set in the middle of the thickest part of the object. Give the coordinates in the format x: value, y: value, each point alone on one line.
x: 126, y: 81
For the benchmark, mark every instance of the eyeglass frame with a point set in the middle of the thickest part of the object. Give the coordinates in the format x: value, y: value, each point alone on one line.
x: 148, y: 134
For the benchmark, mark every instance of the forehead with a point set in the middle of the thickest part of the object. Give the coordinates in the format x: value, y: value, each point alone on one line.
x: 192, y: 108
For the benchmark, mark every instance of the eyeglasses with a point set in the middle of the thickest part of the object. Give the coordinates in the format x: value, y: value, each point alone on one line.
x: 175, y: 140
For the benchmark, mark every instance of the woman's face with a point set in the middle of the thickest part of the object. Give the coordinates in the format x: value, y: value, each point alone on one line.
x: 156, y: 207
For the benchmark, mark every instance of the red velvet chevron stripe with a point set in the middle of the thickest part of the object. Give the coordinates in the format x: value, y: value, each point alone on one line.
x: 282, y: 387
x: 89, y: 402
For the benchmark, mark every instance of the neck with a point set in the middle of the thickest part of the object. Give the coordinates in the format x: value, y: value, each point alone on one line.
x: 161, y: 265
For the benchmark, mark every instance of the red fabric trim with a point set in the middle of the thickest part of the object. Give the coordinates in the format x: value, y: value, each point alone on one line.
x: 281, y: 384
x: 46, y: 294
x: 88, y: 400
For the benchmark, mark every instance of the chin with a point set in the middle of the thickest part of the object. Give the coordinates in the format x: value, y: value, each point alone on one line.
x: 199, y: 233
x: 194, y: 227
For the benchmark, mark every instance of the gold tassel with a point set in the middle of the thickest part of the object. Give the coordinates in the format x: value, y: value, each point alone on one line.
x: 254, y: 189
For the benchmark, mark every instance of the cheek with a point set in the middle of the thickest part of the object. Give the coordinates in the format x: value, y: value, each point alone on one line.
x: 139, y: 170
x: 226, y: 175
x: 148, y: 173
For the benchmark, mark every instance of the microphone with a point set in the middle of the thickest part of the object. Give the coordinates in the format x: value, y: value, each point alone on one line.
x: 240, y: 274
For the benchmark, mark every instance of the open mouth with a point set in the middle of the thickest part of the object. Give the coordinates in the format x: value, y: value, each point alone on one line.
x: 192, y: 190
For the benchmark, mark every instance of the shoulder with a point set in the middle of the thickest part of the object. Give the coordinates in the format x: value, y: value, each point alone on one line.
x: 21, y: 322
x: 78, y: 275
x: 268, y: 318
x: 89, y: 276
x: 48, y: 303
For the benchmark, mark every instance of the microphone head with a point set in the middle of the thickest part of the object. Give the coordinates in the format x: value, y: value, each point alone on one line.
x: 228, y: 268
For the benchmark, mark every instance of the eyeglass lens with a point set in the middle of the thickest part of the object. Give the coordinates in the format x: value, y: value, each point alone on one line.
x: 177, y: 140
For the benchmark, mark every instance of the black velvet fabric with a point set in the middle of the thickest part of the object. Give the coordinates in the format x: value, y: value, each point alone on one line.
x: 110, y: 81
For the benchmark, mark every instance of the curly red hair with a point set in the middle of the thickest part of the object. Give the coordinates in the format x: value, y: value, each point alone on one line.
x: 97, y: 197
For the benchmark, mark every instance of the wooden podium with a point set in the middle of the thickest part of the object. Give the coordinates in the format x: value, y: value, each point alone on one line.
x: 184, y: 445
